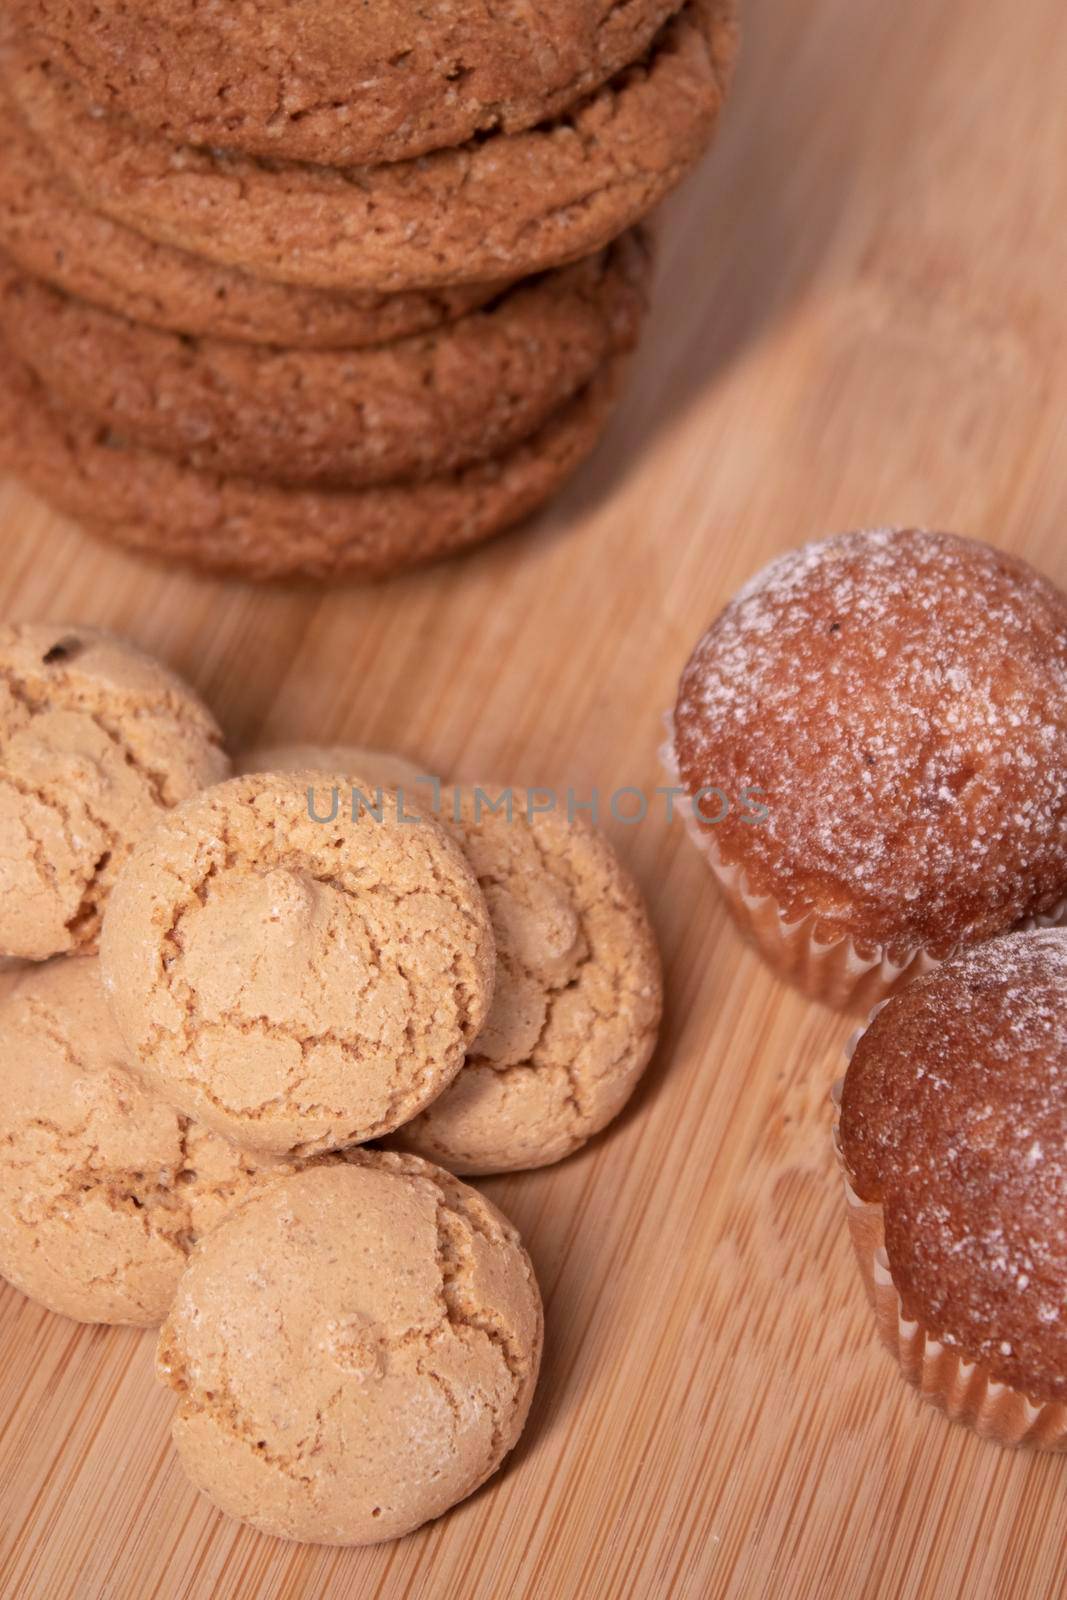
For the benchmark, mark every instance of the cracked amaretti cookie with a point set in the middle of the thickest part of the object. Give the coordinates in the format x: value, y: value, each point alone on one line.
x: 953, y: 1134
x: 97, y: 741
x: 354, y: 1350
x: 500, y: 207
x: 104, y: 1188
x: 895, y: 702
x: 297, y: 984
x: 578, y: 994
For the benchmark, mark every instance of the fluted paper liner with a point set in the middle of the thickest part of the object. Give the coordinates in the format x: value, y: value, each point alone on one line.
x: 963, y: 1389
x: 839, y: 972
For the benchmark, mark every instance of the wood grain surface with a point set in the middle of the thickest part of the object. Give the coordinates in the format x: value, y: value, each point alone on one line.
x: 861, y: 319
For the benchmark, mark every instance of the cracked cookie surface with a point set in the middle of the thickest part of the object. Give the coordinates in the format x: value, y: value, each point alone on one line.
x: 97, y: 741
x: 170, y: 511
x: 578, y: 994
x: 354, y: 1350
x: 47, y: 231
x: 504, y: 206
x: 410, y: 410
x: 297, y: 985
x: 104, y: 1188
x: 331, y: 82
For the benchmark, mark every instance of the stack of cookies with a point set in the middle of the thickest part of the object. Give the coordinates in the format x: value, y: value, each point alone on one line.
x: 332, y: 292
x: 233, y: 987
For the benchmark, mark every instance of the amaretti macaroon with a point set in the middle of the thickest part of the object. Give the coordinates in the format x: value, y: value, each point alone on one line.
x: 354, y: 1350
x: 578, y: 995
x: 104, y: 1187
x: 97, y: 741
x: 952, y: 1135
x: 895, y: 702
x: 294, y: 970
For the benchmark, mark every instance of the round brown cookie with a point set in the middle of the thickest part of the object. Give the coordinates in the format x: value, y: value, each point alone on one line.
x: 104, y: 1188
x: 578, y: 994
x: 297, y: 975
x: 508, y: 205
x: 330, y: 82
x: 412, y: 410
x: 354, y: 1350
x: 97, y: 742
x: 50, y: 233
x: 153, y: 504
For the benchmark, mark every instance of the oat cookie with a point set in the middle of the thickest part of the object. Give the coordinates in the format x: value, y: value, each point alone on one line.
x: 412, y: 410
x: 578, y: 995
x: 297, y: 985
x: 52, y: 235
x: 97, y: 741
x: 505, y: 206
x: 336, y: 83
x: 416, y: 1317
x: 104, y: 1188
x: 151, y: 503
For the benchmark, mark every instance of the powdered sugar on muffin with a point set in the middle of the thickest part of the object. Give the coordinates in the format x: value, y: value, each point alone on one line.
x: 953, y: 1119
x: 900, y: 699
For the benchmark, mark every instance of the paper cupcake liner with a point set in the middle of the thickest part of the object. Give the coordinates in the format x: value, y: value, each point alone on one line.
x: 839, y: 972
x: 963, y: 1389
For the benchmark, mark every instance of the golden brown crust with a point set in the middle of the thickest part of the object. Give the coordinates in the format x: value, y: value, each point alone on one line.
x: 507, y: 206
x: 155, y: 505
x: 411, y: 410
x: 335, y: 83
x: 953, y: 1118
x: 52, y: 235
x: 899, y: 699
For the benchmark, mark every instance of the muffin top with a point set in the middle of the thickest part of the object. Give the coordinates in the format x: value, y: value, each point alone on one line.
x: 297, y: 984
x: 97, y: 741
x: 900, y: 700
x: 954, y: 1119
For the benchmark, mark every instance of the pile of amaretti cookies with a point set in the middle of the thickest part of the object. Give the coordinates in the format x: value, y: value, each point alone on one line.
x: 234, y: 984
x: 330, y: 288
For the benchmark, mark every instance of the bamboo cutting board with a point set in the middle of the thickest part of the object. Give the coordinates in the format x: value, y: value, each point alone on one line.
x: 861, y: 319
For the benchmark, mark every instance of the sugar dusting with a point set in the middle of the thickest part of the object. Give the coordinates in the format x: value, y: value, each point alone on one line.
x: 901, y: 698
x: 955, y: 1114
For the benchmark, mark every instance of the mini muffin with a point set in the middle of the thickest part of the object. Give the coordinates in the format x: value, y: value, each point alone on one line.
x: 414, y: 1312
x: 377, y: 766
x: 104, y: 1189
x: 97, y: 741
x: 577, y: 1002
x: 952, y: 1134
x: 294, y: 970
x: 873, y: 740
